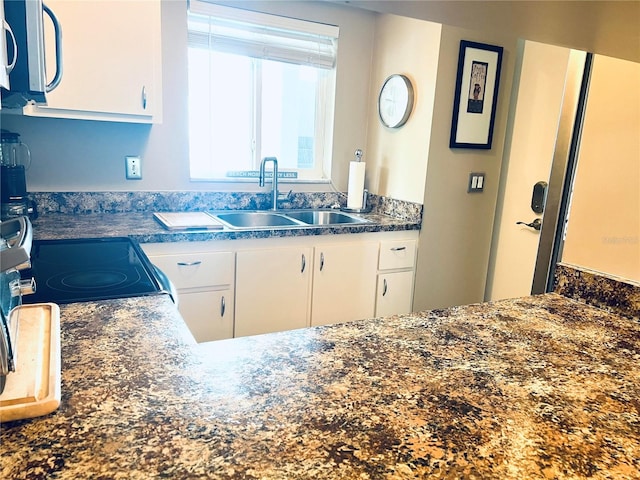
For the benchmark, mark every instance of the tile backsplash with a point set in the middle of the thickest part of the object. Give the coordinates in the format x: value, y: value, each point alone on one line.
x: 118, y: 202
x: 616, y: 295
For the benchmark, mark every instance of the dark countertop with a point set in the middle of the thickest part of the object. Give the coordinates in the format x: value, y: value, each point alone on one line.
x: 537, y: 387
x: 145, y: 229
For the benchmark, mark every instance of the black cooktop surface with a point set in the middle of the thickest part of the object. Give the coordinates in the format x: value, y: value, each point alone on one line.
x: 90, y: 269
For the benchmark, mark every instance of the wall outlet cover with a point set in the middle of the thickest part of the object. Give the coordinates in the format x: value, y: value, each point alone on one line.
x: 133, y: 168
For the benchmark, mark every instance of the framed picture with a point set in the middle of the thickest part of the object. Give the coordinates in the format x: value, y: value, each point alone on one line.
x: 476, y: 96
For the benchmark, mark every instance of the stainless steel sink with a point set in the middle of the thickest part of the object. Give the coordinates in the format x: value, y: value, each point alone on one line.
x: 250, y: 220
x: 324, y: 217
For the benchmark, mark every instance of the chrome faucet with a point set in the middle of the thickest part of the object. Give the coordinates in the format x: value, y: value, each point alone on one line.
x: 276, y: 195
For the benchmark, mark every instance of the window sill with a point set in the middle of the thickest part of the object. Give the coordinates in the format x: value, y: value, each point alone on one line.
x: 281, y: 181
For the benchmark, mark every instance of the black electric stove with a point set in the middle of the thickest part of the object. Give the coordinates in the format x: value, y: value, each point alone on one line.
x: 89, y: 269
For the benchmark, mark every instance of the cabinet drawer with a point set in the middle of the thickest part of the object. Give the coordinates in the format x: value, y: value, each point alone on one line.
x: 204, y: 269
x: 397, y: 254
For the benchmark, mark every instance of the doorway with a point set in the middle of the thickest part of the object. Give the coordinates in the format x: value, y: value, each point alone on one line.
x: 532, y: 133
x: 549, y: 113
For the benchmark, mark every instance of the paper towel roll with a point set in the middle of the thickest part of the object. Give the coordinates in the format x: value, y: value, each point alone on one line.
x: 356, y: 185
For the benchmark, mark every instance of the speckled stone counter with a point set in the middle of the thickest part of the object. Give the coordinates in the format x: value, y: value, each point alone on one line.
x: 143, y: 228
x: 539, y: 387
x: 101, y: 214
x: 613, y: 294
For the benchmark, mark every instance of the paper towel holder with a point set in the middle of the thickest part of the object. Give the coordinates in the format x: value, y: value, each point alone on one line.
x: 366, y: 208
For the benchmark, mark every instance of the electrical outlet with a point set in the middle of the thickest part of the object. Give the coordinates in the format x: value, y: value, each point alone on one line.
x: 133, y: 168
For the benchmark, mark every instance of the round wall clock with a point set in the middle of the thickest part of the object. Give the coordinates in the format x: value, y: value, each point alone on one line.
x: 395, y: 101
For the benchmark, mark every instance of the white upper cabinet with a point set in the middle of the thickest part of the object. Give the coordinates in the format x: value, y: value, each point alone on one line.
x: 112, y: 61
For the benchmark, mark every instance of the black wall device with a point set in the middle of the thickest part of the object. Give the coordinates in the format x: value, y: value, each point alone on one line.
x: 539, y: 197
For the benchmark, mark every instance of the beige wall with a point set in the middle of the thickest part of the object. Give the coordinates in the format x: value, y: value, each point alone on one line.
x: 604, y: 223
x: 457, y: 226
x: 397, y: 157
x: 415, y: 162
x: 77, y: 155
x: 600, y: 26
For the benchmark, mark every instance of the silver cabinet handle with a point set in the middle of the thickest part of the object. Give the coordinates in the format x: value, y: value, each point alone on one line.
x: 223, y: 306
x: 384, y: 287
x: 58, y: 39
x: 321, y: 261
x: 144, y: 97
x: 397, y: 249
x: 189, y: 264
x: 304, y: 263
x: 9, y: 67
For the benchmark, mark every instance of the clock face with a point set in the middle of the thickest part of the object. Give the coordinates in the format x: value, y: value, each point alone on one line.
x: 395, y: 101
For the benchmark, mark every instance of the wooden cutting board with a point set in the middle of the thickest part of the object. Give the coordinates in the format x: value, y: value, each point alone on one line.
x: 34, y: 388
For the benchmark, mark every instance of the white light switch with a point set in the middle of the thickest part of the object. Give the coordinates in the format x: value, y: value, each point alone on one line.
x: 476, y: 182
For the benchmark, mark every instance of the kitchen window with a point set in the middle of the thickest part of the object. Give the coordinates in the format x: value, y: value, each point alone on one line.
x: 259, y: 86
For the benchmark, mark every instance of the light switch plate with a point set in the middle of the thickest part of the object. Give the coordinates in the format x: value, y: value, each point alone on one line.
x: 476, y: 182
x: 133, y: 168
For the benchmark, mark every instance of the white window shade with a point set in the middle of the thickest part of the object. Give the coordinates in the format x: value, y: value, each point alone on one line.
x: 263, y: 36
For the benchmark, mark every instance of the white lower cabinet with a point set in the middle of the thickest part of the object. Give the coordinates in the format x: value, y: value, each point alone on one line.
x: 394, y: 293
x: 396, y: 271
x: 344, y: 282
x: 272, y: 290
x: 205, y: 282
x: 235, y: 288
x: 208, y: 314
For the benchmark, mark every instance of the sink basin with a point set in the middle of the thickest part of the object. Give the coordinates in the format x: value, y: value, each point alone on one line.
x: 251, y: 220
x: 322, y: 217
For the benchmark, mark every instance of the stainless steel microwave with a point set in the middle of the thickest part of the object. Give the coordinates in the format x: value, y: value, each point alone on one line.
x: 25, y: 43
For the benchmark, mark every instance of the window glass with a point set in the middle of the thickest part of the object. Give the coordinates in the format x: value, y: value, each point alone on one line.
x: 258, y: 91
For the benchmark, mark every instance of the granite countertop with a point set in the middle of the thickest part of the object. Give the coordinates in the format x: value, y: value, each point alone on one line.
x: 145, y: 229
x: 538, y: 387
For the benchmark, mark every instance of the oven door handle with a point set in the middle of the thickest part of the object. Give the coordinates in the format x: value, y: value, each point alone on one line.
x: 19, y: 235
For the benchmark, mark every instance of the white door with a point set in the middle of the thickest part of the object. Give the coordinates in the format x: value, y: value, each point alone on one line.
x: 534, y: 121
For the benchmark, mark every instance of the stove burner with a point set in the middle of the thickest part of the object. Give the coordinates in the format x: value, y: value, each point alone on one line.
x: 90, y: 269
x: 83, y: 255
x: 102, y: 280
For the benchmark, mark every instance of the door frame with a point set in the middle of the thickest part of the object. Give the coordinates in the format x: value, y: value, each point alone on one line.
x: 563, y: 168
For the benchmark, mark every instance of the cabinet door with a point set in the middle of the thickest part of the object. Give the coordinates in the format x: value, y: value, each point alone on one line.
x: 209, y: 315
x: 344, y: 283
x: 395, y: 293
x: 272, y: 290
x: 111, y: 61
